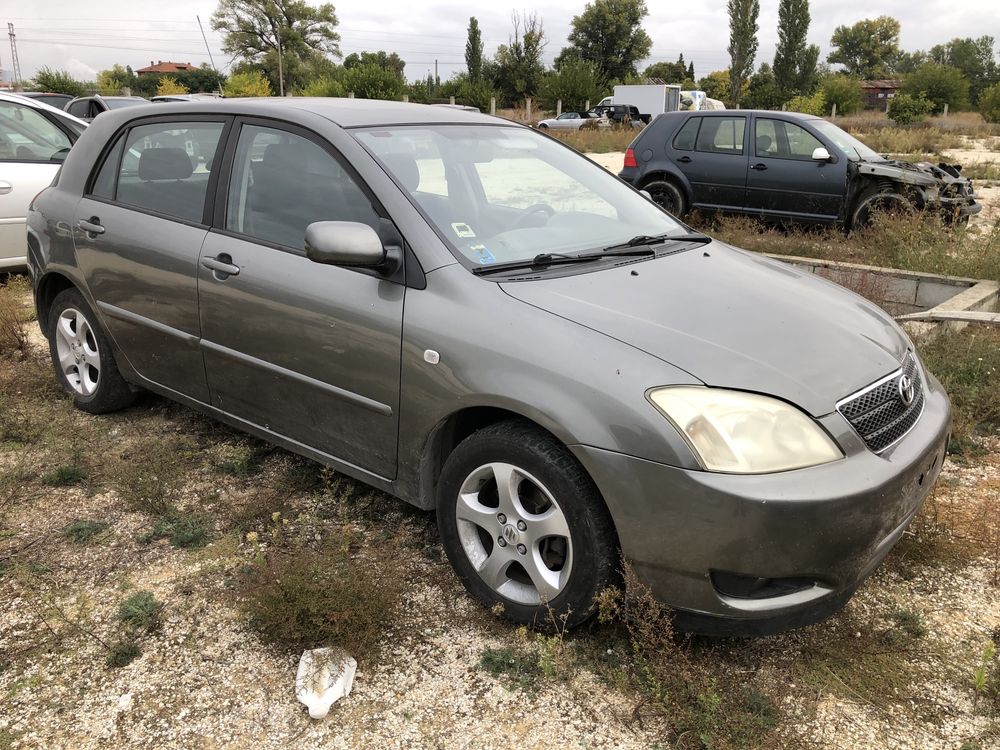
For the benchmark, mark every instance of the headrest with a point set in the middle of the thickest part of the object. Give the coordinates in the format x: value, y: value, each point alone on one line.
x: 404, y: 167
x: 164, y: 164
x: 763, y: 142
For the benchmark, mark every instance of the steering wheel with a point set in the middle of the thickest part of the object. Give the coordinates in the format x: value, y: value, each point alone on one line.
x: 527, y: 213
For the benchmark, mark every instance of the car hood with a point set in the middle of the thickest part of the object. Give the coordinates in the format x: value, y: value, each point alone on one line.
x: 733, y: 319
x: 919, y: 173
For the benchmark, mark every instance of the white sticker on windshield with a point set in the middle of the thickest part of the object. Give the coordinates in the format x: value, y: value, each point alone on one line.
x: 483, y: 255
x: 462, y: 230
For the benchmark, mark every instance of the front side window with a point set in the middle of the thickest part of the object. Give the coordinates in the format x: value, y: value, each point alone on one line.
x: 722, y: 135
x: 282, y: 182
x: 164, y: 167
x: 784, y: 140
x: 27, y: 135
x: 498, y: 193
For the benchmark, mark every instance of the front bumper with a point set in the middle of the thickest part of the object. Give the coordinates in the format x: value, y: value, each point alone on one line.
x: 828, y: 525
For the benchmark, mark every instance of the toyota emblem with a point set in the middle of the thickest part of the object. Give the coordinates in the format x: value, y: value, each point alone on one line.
x: 907, y: 391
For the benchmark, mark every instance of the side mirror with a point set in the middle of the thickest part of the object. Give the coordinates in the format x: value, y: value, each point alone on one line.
x: 821, y: 154
x: 344, y: 243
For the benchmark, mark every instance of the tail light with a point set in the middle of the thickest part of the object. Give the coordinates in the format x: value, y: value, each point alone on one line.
x: 630, y: 158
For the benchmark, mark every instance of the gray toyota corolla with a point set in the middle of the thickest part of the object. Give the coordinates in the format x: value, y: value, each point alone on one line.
x: 470, y: 316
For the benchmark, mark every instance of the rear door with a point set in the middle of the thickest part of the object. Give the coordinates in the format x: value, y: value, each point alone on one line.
x: 716, y: 164
x: 138, y: 233
x: 31, y: 149
x: 783, y: 180
x: 307, y: 351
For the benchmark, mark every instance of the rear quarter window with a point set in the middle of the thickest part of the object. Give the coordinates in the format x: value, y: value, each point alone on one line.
x: 687, y: 135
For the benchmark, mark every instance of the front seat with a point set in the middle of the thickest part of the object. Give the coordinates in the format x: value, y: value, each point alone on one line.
x: 763, y: 145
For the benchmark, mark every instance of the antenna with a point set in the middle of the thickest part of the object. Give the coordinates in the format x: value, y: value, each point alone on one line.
x: 15, y: 65
x: 210, y: 58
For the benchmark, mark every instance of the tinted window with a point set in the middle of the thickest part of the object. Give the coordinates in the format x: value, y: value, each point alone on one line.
x: 684, y: 140
x: 165, y: 167
x: 27, y: 135
x: 281, y: 183
x: 79, y: 108
x: 104, y: 183
x: 721, y: 135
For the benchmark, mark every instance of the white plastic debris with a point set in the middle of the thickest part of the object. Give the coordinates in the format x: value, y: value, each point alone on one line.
x: 325, y: 676
x: 125, y: 702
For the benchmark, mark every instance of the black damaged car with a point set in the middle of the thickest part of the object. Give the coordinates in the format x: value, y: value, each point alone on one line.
x: 784, y: 166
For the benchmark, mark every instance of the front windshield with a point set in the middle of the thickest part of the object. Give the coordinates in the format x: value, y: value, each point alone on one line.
x: 503, y: 194
x: 846, y: 142
x: 120, y: 103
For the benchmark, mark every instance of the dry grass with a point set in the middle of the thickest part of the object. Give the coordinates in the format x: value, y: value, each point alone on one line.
x: 14, y: 315
x: 597, y: 140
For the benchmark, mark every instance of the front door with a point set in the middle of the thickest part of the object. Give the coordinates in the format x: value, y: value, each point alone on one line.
x: 716, y: 167
x: 138, y: 233
x: 783, y: 180
x: 307, y: 351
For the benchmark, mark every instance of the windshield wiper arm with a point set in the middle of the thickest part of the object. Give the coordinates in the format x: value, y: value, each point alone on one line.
x: 656, y: 239
x: 544, y: 260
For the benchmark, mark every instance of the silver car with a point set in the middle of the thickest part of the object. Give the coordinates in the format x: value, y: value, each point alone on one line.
x: 567, y: 121
x: 466, y: 314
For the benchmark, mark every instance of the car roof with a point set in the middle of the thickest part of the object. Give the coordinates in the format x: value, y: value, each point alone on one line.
x: 348, y: 113
x: 29, y: 101
x: 743, y: 112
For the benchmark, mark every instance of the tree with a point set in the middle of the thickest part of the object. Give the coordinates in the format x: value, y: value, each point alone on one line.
x: 762, y: 91
x: 518, y: 66
x: 609, y: 35
x: 939, y: 84
x: 676, y: 72
x: 322, y: 86
x: 904, y: 109
x: 815, y: 104
x: 844, y: 91
x: 58, y: 82
x: 974, y: 57
x: 114, y: 80
x: 989, y: 103
x: 390, y: 62
x: 373, y: 82
x: 474, y: 52
x: 691, y: 71
x: 716, y: 85
x: 249, y: 83
x: 868, y: 49
x: 794, y: 60
x: 743, y: 16
x: 201, y: 79
x: 256, y: 30
x: 575, y: 83
x: 168, y: 85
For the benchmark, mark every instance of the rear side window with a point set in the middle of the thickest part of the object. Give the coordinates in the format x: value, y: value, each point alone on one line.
x: 721, y: 135
x: 27, y: 135
x: 281, y: 183
x: 685, y: 138
x: 164, y: 167
x: 79, y: 108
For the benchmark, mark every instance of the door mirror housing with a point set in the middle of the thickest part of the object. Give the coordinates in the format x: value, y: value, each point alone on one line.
x: 344, y: 243
x: 821, y: 154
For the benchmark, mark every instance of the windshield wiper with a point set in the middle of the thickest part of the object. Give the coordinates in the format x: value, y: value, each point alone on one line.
x: 544, y: 260
x: 656, y: 239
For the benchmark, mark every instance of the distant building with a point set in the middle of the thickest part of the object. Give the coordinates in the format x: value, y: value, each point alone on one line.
x: 878, y: 93
x: 160, y: 67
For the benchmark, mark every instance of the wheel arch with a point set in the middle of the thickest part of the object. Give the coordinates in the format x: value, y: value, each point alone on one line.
x: 47, y: 289
x: 666, y: 175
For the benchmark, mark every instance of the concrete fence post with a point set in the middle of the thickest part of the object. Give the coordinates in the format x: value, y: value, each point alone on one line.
x: 833, y: 111
x: 493, y: 105
x: 350, y: 94
x: 527, y: 108
x: 406, y: 97
x: 945, y: 113
x: 451, y: 100
x: 558, y: 107
x: 586, y: 107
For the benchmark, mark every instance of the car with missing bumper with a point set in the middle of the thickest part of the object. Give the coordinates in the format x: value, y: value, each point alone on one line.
x: 462, y: 312
x: 785, y: 166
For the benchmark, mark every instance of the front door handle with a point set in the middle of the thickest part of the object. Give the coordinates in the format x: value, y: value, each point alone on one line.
x: 5, y: 187
x: 91, y: 225
x: 222, y: 265
x: 684, y: 159
x: 760, y: 167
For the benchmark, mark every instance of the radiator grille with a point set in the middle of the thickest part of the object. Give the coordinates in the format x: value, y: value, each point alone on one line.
x: 880, y: 414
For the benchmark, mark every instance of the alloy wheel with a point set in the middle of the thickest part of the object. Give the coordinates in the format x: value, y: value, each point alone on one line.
x: 79, y: 358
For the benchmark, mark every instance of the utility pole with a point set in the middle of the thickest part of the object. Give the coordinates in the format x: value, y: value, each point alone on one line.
x: 210, y: 58
x: 15, y: 65
x: 281, y: 72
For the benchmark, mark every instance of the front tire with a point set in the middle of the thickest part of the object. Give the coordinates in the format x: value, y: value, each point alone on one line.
x: 668, y: 196
x: 525, y: 527
x: 872, y: 203
x: 82, y: 357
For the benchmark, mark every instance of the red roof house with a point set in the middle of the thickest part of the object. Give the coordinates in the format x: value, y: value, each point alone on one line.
x: 160, y: 67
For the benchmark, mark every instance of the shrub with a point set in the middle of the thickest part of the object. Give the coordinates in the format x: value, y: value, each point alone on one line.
x: 64, y: 476
x: 808, y: 105
x: 82, y: 531
x: 58, y: 82
x: 122, y: 653
x: 14, y: 316
x: 373, y: 82
x: 939, y: 84
x: 249, y: 83
x: 323, y: 86
x: 140, y: 612
x: 184, y: 530
x: 989, y: 103
x: 905, y: 109
x: 169, y: 85
x: 844, y: 91
x: 575, y: 83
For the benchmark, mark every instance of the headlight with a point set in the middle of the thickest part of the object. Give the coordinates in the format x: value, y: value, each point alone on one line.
x: 744, y: 433
x: 932, y: 194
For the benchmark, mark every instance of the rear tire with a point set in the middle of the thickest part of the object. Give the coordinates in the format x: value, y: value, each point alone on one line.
x: 82, y: 356
x: 668, y: 196
x: 525, y: 527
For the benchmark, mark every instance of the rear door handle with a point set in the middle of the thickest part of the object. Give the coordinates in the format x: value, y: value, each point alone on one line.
x: 684, y: 159
x: 759, y: 167
x: 222, y: 265
x: 5, y: 187
x: 91, y: 225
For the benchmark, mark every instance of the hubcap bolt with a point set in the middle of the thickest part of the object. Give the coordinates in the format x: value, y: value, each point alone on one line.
x: 501, y: 541
x: 522, y: 525
x: 501, y: 518
x: 522, y: 549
